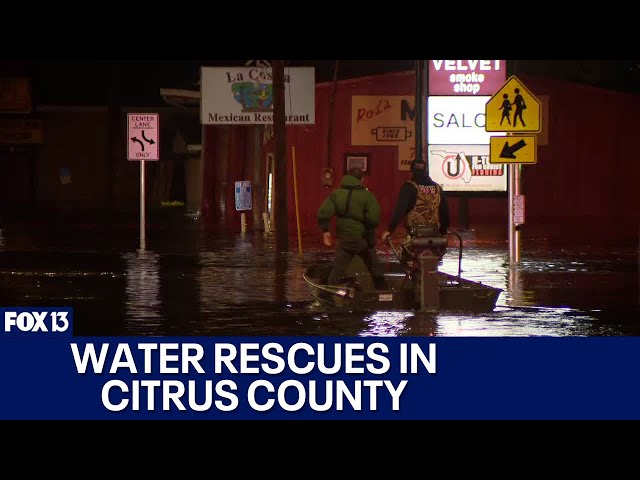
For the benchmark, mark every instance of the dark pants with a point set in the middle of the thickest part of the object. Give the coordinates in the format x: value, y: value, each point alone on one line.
x: 346, y: 249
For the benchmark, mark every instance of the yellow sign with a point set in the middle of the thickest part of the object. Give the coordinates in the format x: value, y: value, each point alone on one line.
x: 513, y: 149
x: 15, y: 95
x: 18, y: 131
x: 385, y: 120
x: 513, y: 109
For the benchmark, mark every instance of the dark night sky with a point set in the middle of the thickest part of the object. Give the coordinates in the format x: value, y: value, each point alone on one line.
x: 91, y: 83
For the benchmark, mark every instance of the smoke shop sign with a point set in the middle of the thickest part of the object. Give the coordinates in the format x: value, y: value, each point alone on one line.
x: 466, y: 77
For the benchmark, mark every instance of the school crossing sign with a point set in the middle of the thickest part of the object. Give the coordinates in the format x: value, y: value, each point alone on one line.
x: 513, y: 109
x: 516, y: 111
x: 520, y: 149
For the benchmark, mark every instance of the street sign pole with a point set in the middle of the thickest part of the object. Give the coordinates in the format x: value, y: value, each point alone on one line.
x: 514, y: 239
x: 506, y: 112
x: 514, y: 235
x: 142, y: 146
x: 518, y: 184
x: 143, y: 212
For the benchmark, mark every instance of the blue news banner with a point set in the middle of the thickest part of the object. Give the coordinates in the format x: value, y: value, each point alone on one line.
x: 47, y: 373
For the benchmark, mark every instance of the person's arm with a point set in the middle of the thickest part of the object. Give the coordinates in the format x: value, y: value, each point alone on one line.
x: 405, y: 198
x: 326, y: 211
x: 372, y: 213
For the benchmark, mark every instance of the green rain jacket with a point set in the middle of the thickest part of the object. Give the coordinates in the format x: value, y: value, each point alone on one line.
x: 356, y: 209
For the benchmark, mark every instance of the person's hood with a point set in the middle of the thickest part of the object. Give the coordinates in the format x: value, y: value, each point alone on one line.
x: 350, y: 181
x: 424, y: 179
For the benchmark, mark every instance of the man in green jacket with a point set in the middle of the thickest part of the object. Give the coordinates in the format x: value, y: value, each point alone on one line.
x: 357, y: 215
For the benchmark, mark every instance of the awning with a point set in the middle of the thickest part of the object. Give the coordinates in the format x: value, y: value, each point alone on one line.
x: 180, y: 97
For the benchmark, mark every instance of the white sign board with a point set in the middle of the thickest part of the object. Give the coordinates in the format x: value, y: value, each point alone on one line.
x: 465, y: 168
x: 142, y: 138
x: 518, y: 209
x: 458, y: 120
x: 243, y: 195
x: 244, y: 95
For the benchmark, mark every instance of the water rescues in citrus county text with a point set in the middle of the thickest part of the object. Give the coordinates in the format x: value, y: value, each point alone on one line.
x: 250, y: 359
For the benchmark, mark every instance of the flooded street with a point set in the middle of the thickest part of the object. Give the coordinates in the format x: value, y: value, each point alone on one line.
x: 190, y: 281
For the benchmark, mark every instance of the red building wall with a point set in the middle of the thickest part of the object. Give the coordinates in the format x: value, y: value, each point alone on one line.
x: 583, y: 184
x: 586, y: 179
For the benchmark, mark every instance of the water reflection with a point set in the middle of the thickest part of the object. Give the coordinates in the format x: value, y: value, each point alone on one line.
x: 394, y: 324
x: 143, y: 303
x: 488, y: 266
x: 517, y: 295
x: 204, y: 283
x: 280, y: 278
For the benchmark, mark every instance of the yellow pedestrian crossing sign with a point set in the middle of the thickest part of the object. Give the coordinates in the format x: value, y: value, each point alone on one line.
x: 514, y: 149
x: 513, y: 109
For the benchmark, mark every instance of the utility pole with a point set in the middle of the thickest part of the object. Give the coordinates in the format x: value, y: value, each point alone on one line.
x: 280, y: 157
x: 418, y: 110
x: 425, y: 113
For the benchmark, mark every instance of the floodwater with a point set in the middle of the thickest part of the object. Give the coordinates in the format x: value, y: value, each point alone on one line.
x: 190, y: 281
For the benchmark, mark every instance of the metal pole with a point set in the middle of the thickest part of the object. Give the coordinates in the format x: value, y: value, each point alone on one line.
x: 142, y: 207
x: 425, y: 128
x: 511, y: 188
x: 332, y: 98
x: 295, y: 192
x: 418, y: 111
x: 280, y: 157
x: 517, y: 170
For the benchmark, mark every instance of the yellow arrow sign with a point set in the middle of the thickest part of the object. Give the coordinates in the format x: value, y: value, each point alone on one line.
x: 513, y: 149
x: 513, y: 109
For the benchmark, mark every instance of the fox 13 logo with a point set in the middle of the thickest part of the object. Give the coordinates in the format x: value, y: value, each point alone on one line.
x: 45, y: 320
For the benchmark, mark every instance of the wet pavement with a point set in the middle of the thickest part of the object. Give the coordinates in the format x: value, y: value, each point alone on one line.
x: 194, y: 281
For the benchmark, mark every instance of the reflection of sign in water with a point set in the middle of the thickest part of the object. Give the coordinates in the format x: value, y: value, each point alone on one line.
x: 465, y: 168
x: 142, y: 287
x: 243, y: 195
x: 513, y: 109
x: 387, y: 120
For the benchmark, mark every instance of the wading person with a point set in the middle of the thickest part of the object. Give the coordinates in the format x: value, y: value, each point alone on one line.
x: 357, y: 215
x: 422, y: 201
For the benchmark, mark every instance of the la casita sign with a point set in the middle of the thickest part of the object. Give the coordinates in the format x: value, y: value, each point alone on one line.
x: 466, y: 77
x: 254, y: 74
x: 244, y: 95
